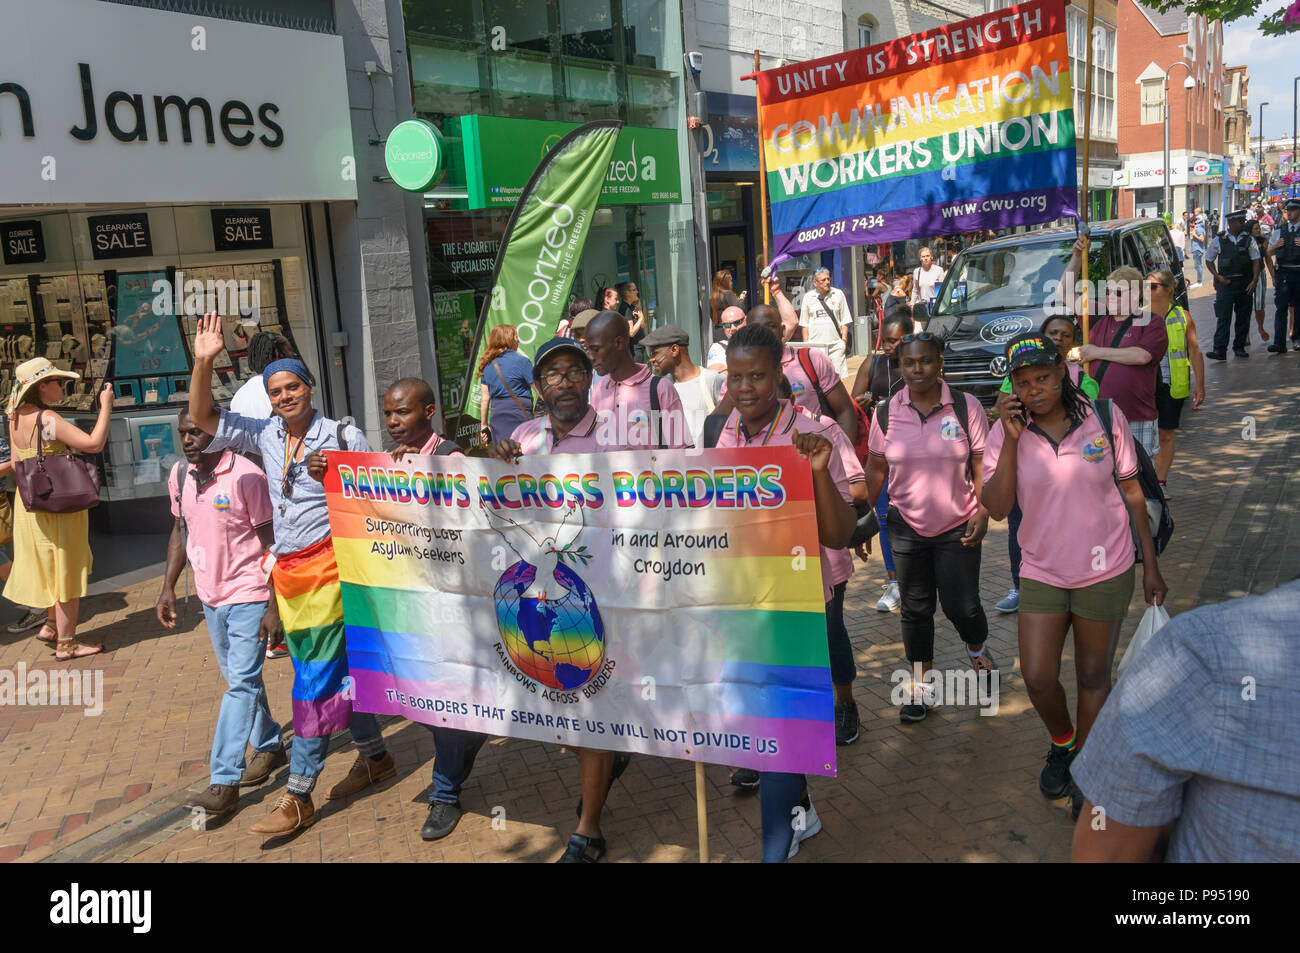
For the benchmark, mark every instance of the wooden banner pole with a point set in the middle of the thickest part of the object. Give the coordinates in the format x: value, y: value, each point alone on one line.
x: 1084, y: 203
x: 701, y: 812
x: 765, y: 257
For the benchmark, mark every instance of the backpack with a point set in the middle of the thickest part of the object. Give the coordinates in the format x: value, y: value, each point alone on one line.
x: 824, y: 405
x: 1162, y: 521
x: 959, y: 409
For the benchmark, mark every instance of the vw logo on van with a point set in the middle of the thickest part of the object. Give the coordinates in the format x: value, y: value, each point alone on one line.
x: 1004, y: 329
x: 998, y: 367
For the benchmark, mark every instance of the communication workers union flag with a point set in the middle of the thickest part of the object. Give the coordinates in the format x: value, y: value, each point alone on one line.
x: 543, y: 243
x: 966, y: 126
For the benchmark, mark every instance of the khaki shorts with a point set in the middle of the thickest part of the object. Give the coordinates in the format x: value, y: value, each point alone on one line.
x: 1105, y: 601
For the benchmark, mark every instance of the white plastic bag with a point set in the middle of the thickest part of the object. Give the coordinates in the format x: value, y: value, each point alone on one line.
x: 1153, y: 620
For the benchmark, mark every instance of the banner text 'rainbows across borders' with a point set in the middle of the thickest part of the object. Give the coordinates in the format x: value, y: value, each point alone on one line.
x: 966, y: 126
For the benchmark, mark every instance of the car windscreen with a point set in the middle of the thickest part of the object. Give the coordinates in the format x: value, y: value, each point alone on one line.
x: 1009, y: 278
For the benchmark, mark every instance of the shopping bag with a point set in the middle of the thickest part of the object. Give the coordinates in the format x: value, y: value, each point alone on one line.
x: 1153, y: 620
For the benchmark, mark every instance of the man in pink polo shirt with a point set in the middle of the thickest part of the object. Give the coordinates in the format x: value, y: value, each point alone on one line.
x: 223, y: 526
x: 636, y: 407
x: 562, y: 376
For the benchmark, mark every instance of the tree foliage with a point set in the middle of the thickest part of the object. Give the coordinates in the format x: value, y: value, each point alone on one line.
x: 1285, y: 20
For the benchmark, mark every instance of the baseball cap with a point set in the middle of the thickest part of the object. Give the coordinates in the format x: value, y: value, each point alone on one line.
x: 1029, y: 349
x: 665, y: 335
x: 554, y: 346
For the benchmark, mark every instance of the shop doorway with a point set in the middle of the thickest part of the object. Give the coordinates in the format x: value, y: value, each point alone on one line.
x: 732, y: 248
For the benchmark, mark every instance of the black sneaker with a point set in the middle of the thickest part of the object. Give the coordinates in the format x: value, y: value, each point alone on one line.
x: 746, y: 778
x: 1055, y: 779
x: 1276, y: 349
x: 1240, y: 352
x: 442, y: 820
x: 846, y: 723
x: 914, y: 712
x: 1076, y: 801
x: 1216, y: 355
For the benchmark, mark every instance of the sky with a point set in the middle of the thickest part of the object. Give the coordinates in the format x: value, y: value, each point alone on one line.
x: 1273, y: 62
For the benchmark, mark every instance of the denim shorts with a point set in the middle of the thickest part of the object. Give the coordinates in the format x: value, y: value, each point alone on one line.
x: 1104, y: 601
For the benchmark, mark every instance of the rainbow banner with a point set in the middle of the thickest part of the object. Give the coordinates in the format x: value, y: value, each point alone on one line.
x: 666, y: 602
x: 966, y: 126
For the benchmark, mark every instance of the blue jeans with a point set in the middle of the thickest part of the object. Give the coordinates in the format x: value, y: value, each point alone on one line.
x: 307, y: 756
x: 1013, y: 543
x: 882, y: 511
x: 245, y: 717
x: 779, y: 794
x: 453, y: 760
x: 1198, y: 254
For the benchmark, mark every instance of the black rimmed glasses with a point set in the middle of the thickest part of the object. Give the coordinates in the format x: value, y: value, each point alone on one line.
x: 574, y: 375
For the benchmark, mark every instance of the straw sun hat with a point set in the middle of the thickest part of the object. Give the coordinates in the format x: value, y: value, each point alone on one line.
x: 30, y: 373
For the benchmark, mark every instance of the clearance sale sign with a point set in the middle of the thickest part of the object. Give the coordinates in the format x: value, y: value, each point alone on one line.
x: 967, y: 126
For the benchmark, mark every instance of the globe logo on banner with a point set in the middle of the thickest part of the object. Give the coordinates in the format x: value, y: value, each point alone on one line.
x: 557, y: 642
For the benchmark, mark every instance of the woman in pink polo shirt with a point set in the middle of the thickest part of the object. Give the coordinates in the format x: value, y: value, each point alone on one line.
x: 1049, y: 452
x: 932, y: 459
x: 762, y: 419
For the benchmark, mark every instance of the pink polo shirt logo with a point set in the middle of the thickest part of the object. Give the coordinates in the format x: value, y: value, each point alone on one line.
x: 221, y: 502
x: 949, y: 429
x: 1095, y: 452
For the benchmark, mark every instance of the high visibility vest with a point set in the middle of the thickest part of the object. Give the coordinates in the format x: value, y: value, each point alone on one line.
x: 1180, y: 365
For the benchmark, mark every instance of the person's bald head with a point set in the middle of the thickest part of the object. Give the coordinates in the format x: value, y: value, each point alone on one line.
x: 766, y: 316
x: 732, y: 320
x: 606, y: 342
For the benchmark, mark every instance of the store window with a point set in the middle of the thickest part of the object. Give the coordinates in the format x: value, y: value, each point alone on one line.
x: 115, y: 294
x: 1103, y: 79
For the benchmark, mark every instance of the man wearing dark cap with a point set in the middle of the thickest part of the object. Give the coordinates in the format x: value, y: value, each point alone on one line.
x: 698, y: 387
x: 1284, y: 253
x: 1233, y: 259
x: 562, y: 376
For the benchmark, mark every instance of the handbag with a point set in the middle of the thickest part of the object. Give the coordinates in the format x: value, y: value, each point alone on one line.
x: 57, y: 483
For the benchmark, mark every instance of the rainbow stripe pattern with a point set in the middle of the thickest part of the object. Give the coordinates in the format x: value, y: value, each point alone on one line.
x: 311, y: 610
x: 966, y: 126
x: 668, y: 625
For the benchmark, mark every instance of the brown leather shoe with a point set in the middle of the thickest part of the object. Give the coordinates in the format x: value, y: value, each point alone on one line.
x: 217, y: 801
x: 260, y: 766
x: 363, y: 774
x: 290, y: 814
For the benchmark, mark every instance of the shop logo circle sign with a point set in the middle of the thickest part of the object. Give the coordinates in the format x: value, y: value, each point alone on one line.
x: 1201, y: 168
x: 414, y: 155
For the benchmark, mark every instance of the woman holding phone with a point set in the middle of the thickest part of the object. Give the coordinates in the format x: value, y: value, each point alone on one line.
x: 1050, y: 452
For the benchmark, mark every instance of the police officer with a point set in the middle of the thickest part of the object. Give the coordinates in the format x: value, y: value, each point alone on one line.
x: 1284, y: 253
x: 1233, y: 259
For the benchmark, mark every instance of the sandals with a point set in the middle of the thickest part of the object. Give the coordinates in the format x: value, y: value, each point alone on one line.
x: 621, y: 760
x: 40, y: 635
x: 69, y: 649
x: 583, y: 850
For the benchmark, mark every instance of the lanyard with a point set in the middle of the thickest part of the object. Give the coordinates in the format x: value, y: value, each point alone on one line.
x: 289, y: 454
x: 770, y: 427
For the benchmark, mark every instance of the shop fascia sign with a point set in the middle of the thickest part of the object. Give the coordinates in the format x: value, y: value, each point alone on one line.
x: 1150, y: 174
x: 140, y: 105
x: 414, y: 155
x: 501, y: 154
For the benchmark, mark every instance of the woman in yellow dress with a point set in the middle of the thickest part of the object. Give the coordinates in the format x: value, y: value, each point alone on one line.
x: 51, y: 550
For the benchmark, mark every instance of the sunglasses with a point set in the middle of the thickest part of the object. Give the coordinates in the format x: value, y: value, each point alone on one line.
x: 1116, y: 293
x: 1156, y: 284
x: 733, y: 324
x: 919, y: 336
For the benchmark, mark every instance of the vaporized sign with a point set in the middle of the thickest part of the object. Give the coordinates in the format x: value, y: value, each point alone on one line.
x: 969, y: 125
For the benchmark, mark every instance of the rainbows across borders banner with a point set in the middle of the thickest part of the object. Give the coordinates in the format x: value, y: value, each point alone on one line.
x: 668, y: 603
x: 966, y: 126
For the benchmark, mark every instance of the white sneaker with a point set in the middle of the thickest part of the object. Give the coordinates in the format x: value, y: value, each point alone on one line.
x: 890, y: 599
x: 1196, y: 284
x: 812, y: 824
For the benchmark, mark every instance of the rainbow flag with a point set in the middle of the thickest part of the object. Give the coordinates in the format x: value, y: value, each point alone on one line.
x: 966, y: 126
x: 311, y: 611
x: 675, y: 608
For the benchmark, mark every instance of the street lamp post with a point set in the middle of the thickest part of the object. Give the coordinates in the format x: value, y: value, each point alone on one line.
x: 1260, y: 187
x: 1295, y: 159
x: 1188, y: 83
